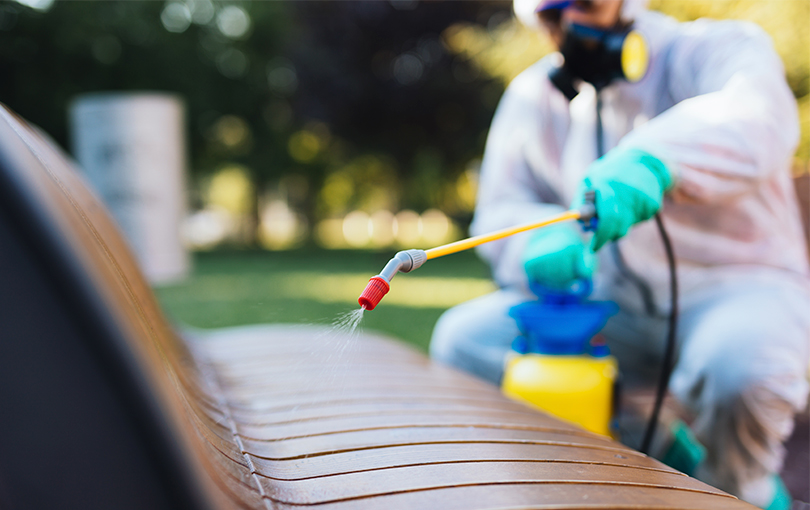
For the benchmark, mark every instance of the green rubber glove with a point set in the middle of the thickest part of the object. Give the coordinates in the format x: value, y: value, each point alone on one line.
x: 630, y: 186
x: 556, y: 257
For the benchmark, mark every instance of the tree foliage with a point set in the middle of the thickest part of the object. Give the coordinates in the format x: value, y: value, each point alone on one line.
x: 311, y: 88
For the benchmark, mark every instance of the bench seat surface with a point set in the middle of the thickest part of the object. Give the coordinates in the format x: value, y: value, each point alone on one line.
x: 317, y: 417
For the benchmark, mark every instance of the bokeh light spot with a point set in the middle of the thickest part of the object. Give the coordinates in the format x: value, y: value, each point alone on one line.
x: 407, y: 228
x: 281, y: 77
x: 233, y: 21
x: 435, y: 227
x: 357, y: 229
x: 232, y: 132
x: 408, y: 68
x: 202, y: 11
x: 232, y: 63
x: 231, y: 190
x: 207, y: 228
x: 329, y: 233
x: 281, y: 228
x: 304, y: 146
x: 176, y: 17
x: 382, y: 228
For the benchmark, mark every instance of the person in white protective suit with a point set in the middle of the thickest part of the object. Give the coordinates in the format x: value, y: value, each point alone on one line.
x: 705, y: 138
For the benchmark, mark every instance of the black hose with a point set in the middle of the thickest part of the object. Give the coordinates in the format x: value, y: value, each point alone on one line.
x: 669, y: 349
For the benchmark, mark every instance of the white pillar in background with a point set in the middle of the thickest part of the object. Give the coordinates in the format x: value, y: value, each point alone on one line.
x: 132, y: 148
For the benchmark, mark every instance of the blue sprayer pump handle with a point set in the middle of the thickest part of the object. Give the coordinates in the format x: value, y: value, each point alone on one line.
x: 561, y: 322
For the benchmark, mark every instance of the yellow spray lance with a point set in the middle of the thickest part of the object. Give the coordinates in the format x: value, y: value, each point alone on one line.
x: 408, y: 260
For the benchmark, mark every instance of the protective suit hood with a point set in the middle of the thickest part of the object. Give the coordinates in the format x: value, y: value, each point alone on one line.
x: 526, y: 11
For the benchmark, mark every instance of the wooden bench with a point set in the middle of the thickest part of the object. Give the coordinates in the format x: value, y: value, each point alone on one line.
x: 104, y: 405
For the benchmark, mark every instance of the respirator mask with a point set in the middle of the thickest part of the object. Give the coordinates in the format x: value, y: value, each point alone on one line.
x: 599, y: 57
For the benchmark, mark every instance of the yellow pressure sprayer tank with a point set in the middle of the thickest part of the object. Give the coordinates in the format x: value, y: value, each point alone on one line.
x: 561, y: 366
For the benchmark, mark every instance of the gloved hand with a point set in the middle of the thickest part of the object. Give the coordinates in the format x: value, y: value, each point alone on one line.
x: 556, y: 256
x: 630, y: 186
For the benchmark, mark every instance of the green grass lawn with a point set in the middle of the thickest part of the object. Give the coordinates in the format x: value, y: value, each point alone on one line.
x: 229, y: 288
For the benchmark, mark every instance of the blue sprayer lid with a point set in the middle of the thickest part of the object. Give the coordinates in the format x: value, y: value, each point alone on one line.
x: 560, y: 322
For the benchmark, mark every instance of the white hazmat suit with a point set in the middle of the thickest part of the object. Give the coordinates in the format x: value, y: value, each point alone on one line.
x: 715, y: 107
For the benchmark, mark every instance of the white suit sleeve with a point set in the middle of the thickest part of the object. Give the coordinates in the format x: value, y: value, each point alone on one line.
x: 736, y: 122
x: 511, y: 188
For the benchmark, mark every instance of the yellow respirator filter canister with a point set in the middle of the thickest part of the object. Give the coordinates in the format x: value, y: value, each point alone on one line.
x: 635, y: 56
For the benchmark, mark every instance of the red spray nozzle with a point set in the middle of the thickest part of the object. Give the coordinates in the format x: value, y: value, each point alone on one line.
x: 373, y: 293
x: 377, y: 287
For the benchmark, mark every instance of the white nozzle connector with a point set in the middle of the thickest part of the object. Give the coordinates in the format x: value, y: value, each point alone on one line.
x: 405, y: 262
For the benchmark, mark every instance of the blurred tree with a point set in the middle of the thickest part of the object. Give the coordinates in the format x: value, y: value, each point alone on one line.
x: 280, y: 88
x: 47, y: 58
x: 380, y: 76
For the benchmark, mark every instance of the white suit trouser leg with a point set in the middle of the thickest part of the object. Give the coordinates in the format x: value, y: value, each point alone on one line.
x: 742, y: 367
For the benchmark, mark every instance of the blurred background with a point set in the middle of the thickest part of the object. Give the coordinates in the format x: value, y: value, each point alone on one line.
x: 319, y: 137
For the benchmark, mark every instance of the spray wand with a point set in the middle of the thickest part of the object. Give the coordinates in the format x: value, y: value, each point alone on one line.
x: 408, y: 260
